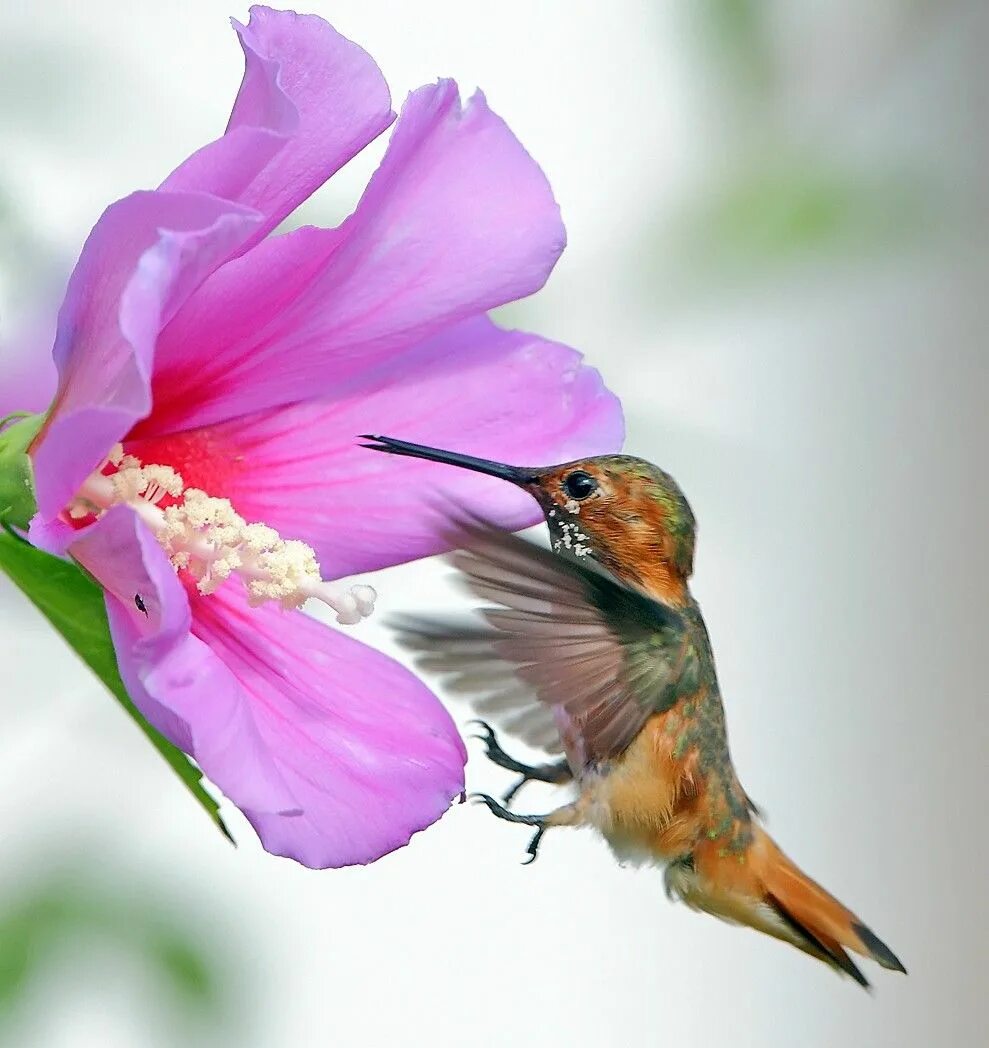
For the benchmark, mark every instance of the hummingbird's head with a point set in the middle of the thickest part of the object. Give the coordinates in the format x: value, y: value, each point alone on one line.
x: 623, y: 511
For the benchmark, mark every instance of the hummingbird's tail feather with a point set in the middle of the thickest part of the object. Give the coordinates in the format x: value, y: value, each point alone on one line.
x: 816, y: 914
x: 772, y: 894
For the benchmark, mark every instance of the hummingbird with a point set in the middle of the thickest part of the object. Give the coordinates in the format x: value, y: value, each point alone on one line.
x: 596, y: 648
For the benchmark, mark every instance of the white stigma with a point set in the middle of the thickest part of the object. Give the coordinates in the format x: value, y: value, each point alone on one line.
x: 206, y: 537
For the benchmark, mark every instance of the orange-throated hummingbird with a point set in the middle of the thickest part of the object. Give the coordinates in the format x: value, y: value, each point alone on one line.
x: 597, y: 647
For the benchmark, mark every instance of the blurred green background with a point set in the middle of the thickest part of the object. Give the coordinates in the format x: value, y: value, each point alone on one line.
x: 78, y: 926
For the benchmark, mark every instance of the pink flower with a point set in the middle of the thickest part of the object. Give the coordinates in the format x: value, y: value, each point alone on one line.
x: 199, y: 458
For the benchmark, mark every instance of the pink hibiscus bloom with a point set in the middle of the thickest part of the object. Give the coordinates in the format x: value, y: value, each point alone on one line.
x: 199, y: 457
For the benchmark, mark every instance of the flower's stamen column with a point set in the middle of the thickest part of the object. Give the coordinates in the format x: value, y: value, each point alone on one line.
x: 206, y: 537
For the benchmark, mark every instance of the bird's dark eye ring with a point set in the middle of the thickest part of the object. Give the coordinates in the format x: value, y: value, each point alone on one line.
x: 578, y: 485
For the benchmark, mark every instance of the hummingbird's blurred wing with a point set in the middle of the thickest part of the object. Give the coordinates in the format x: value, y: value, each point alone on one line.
x: 564, y: 636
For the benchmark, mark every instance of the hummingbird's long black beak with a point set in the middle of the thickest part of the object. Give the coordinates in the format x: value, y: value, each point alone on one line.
x: 391, y: 446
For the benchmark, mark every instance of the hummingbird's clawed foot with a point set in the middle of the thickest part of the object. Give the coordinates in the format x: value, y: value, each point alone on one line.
x: 533, y: 846
x: 501, y: 812
x: 557, y: 773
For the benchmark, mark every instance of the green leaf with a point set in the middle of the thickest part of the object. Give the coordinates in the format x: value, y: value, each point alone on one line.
x: 73, y: 603
x: 16, y: 481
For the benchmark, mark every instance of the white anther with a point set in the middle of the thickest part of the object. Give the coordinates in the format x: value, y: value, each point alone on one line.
x: 206, y: 537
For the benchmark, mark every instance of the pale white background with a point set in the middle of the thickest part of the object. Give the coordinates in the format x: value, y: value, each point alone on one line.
x: 821, y: 395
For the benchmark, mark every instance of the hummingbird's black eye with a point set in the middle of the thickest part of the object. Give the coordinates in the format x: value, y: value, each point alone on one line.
x: 578, y: 485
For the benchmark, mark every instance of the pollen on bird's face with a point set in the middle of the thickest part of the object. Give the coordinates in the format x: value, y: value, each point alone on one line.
x: 204, y: 537
x: 568, y: 535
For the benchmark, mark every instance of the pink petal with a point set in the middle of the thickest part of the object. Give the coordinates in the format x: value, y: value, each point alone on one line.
x: 144, y: 257
x: 228, y: 312
x: 310, y: 100
x: 457, y: 219
x: 478, y: 389
x: 367, y: 751
x: 183, y: 688
x: 336, y: 753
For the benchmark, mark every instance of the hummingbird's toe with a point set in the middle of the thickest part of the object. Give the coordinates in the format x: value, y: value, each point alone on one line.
x: 501, y: 812
x: 489, y: 732
x: 485, y: 798
x: 569, y: 815
x: 493, y: 750
x: 533, y: 847
x: 558, y: 773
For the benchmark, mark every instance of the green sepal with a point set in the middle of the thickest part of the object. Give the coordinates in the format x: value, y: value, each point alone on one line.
x: 73, y: 603
x: 16, y: 479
